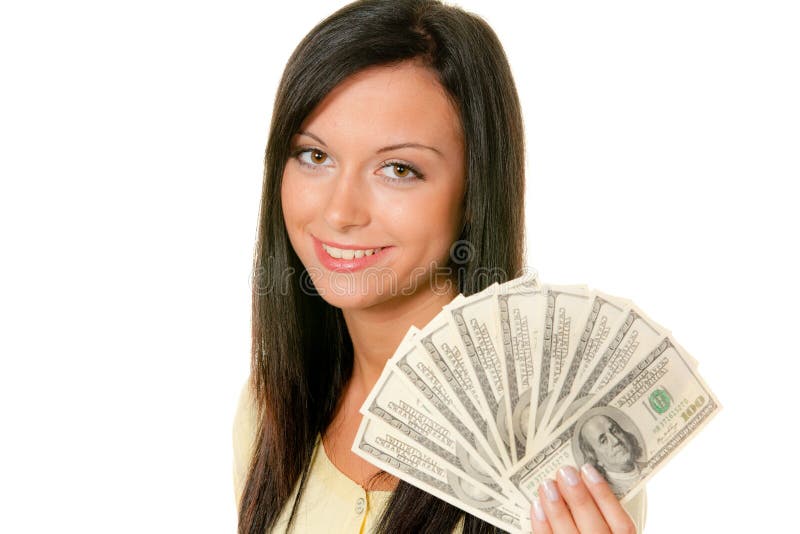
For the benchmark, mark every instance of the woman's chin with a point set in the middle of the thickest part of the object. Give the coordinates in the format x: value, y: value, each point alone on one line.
x: 352, y: 302
x: 354, y: 290
x: 346, y: 293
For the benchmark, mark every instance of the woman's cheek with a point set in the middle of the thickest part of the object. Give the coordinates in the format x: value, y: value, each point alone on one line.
x: 294, y: 208
x: 299, y: 199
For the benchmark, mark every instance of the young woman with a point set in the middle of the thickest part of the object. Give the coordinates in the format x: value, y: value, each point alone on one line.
x: 394, y: 179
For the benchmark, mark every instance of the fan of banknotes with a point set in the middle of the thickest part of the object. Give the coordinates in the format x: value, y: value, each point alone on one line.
x: 505, y: 386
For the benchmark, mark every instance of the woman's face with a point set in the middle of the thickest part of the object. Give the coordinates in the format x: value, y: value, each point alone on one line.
x: 350, y: 186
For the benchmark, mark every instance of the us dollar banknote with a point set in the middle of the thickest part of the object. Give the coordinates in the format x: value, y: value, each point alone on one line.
x: 522, y: 336
x: 421, y: 374
x: 394, y: 402
x: 567, y: 309
x: 474, y: 321
x: 632, y: 427
x: 636, y: 336
x: 605, y: 318
x: 392, y: 451
x: 505, y: 386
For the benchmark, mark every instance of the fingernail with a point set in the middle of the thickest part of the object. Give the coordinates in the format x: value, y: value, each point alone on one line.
x: 538, y: 511
x: 550, y: 490
x: 569, y: 474
x: 591, y: 473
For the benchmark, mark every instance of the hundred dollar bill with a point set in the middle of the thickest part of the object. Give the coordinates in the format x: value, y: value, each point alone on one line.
x: 684, y: 351
x: 566, y: 312
x: 529, y: 279
x: 607, y: 312
x: 632, y: 427
x: 445, y: 351
x: 636, y: 336
x: 572, y: 307
x: 612, y: 313
x: 422, y: 375
x: 393, y: 401
x: 389, y: 449
x: 474, y: 320
x: 504, y: 419
x: 520, y: 311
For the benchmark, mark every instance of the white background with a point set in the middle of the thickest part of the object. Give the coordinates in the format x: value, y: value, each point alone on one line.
x: 663, y: 166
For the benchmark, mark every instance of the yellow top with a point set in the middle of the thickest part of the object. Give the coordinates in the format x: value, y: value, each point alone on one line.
x: 332, y: 502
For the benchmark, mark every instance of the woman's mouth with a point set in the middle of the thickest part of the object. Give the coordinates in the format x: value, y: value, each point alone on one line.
x: 349, y: 254
x: 345, y: 258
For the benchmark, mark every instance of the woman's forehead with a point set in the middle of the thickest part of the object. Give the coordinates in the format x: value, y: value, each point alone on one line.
x: 386, y: 105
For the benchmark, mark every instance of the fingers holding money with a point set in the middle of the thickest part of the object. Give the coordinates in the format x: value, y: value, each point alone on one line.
x: 539, y: 524
x: 550, y: 514
x: 574, y: 504
x: 615, y: 515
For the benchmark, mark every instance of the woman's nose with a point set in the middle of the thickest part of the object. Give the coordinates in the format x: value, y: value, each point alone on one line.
x: 348, y: 202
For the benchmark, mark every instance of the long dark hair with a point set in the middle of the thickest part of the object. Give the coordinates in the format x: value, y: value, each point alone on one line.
x: 302, y: 354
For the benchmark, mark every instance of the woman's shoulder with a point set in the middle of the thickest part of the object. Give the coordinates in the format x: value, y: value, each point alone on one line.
x: 244, y: 419
x: 244, y: 435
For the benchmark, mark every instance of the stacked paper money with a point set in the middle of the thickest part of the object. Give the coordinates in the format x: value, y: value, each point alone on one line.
x: 505, y: 386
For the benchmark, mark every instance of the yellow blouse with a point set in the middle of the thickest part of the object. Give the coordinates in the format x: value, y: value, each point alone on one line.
x: 332, y: 502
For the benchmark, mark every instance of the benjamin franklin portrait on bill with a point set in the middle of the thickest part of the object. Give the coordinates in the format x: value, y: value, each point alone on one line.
x: 609, y: 440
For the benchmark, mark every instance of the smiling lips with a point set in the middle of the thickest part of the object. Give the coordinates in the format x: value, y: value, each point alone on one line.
x: 349, y: 253
x: 345, y: 258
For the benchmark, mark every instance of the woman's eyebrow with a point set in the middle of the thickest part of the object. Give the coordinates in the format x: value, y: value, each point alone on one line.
x: 384, y: 149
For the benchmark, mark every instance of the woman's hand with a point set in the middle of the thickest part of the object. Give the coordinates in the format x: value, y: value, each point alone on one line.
x: 579, y: 503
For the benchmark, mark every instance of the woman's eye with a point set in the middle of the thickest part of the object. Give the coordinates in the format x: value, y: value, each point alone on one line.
x: 316, y: 157
x: 403, y: 172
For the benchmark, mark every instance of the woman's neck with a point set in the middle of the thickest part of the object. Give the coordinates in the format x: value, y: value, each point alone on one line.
x: 377, y: 331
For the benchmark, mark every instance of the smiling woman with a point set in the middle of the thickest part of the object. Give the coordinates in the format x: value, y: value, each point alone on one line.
x: 383, y: 193
x: 393, y: 180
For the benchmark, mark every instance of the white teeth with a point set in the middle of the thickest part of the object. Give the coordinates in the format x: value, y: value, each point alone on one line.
x: 349, y: 254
